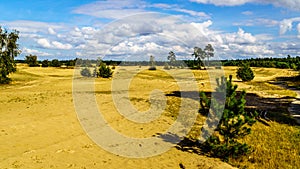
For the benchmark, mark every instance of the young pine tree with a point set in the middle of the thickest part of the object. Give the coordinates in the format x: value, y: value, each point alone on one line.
x: 234, y: 122
x: 245, y: 73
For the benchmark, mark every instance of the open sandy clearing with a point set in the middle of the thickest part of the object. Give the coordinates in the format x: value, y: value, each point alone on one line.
x: 39, y: 127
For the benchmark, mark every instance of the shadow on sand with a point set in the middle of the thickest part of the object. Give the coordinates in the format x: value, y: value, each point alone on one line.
x: 273, y: 109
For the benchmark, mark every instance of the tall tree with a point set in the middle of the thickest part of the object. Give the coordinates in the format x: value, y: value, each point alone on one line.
x: 9, y: 49
x: 199, y: 55
x: 172, y: 58
x: 209, y: 51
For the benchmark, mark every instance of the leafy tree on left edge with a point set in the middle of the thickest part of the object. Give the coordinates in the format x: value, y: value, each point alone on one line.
x: 9, y: 49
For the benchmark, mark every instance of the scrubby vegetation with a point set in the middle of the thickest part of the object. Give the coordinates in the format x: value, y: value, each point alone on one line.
x: 86, y: 72
x: 45, y: 63
x: 104, y: 71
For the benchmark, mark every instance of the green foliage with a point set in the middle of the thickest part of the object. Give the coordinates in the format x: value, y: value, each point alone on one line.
x: 86, y: 72
x: 45, y: 63
x: 104, y: 71
x: 294, y: 66
x: 282, y: 63
x: 172, y: 58
x: 200, y: 54
x: 234, y: 124
x: 70, y: 63
x: 209, y: 52
x: 31, y: 60
x: 245, y: 73
x: 55, y: 63
x: 9, y: 49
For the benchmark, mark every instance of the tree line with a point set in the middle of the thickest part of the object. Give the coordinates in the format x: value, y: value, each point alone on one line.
x: 282, y: 63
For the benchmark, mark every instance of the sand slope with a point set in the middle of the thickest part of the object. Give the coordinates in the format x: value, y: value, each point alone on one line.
x: 39, y: 127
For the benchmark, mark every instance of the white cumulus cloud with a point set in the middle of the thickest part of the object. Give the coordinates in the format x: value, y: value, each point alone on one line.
x: 45, y: 43
x: 51, y: 31
x: 27, y: 51
x: 240, y: 37
x: 287, y: 24
x: 58, y: 45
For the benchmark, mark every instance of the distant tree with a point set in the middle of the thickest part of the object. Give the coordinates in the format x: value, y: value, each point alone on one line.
x: 172, y: 58
x: 166, y: 66
x: 282, y: 65
x: 245, y: 73
x: 9, y: 49
x: 86, y: 72
x: 209, y: 51
x: 45, y: 63
x: 31, y: 60
x: 70, y: 63
x: 152, y: 63
x: 55, y: 63
x: 199, y: 55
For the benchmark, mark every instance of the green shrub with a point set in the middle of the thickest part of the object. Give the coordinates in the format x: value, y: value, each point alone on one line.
x: 86, y: 72
x: 104, y: 71
x: 234, y: 124
x: 245, y: 73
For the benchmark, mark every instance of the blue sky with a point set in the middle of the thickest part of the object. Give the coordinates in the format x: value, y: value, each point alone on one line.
x: 134, y: 29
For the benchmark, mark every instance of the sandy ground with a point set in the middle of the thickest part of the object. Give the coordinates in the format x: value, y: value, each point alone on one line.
x: 39, y: 126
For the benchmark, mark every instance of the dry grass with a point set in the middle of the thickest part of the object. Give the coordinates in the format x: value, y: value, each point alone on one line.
x: 275, y: 146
